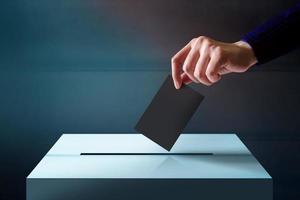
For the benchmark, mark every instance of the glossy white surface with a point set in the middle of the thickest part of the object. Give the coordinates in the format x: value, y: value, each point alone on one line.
x: 74, y: 144
x: 230, y: 159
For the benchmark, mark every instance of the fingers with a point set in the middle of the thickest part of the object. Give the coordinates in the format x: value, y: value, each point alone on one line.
x: 177, y: 62
x: 202, y: 60
x: 201, y: 67
x: 212, y: 71
x: 190, y: 64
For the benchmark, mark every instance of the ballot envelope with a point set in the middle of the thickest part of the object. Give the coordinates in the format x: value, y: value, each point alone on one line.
x: 130, y: 166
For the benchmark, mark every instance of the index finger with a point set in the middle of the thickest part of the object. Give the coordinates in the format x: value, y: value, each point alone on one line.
x: 177, y: 62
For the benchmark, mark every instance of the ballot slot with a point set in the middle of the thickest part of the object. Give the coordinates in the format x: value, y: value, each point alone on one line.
x: 146, y: 154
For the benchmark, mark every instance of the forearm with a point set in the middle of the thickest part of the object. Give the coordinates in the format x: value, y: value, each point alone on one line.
x: 277, y: 36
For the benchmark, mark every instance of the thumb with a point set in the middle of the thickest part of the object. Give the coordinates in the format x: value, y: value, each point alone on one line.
x: 224, y: 71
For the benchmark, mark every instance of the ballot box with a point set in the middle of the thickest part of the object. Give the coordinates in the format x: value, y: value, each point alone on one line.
x: 130, y: 166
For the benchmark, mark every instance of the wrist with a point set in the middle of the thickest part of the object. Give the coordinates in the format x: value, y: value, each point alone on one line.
x: 248, y: 51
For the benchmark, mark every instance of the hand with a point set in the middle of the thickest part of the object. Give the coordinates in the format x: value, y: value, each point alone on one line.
x: 204, y: 60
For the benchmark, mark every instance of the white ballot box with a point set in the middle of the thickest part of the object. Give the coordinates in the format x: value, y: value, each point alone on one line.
x: 130, y: 166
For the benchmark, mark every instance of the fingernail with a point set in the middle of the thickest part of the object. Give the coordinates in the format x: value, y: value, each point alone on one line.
x: 177, y: 85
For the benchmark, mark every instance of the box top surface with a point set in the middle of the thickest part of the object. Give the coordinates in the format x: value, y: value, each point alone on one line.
x: 230, y: 158
x: 75, y: 144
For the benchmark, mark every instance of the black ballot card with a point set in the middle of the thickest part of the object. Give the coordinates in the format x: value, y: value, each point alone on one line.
x: 168, y: 113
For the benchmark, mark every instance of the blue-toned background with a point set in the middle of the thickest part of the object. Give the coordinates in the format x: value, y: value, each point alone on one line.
x: 94, y: 65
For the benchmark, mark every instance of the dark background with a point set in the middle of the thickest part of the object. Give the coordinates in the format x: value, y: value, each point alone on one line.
x: 73, y: 66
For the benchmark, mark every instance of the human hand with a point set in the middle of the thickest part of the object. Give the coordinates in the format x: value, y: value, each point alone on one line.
x: 204, y: 60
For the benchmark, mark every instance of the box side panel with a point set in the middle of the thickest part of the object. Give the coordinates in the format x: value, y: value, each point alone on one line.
x: 146, y: 189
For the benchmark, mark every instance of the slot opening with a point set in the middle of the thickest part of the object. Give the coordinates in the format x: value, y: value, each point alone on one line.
x: 146, y: 154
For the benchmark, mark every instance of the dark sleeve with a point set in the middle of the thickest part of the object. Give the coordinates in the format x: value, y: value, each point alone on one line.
x: 277, y: 36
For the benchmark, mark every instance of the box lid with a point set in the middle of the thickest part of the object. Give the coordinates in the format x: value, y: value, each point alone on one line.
x: 118, y: 156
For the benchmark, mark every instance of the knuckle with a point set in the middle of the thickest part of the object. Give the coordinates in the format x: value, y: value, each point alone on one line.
x: 201, y: 38
x: 208, y: 43
x: 193, y: 40
x: 204, y: 39
x: 218, y: 51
